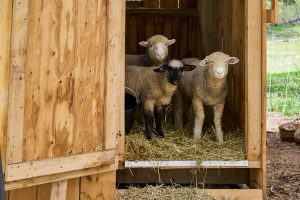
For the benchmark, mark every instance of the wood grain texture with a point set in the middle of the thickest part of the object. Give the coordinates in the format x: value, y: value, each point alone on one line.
x: 24, y: 193
x: 31, y: 169
x: 59, y: 177
x: 263, y: 171
x: 101, y: 186
x: 115, y: 82
x: 59, y: 190
x: 65, y: 78
x: 16, y: 100
x: 253, y: 86
x: 5, y: 34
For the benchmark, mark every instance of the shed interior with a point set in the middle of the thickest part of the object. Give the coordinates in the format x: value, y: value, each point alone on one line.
x: 200, y: 27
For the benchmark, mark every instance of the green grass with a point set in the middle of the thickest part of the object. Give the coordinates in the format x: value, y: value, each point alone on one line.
x: 284, y: 30
x: 283, y: 92
x: 283, y: 68
x: 283, y: 56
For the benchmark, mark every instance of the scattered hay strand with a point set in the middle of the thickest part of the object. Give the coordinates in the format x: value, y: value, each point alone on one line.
x: 167, y: 193
x: 179, y: 145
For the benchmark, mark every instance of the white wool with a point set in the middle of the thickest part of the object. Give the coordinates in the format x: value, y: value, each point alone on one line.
x: 175, y: 63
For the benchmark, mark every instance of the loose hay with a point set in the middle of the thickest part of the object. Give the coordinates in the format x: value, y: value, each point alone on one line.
x: 168, y: 193
x: 179, y: 145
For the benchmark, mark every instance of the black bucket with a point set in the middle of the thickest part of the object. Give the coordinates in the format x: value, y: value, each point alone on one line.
x: 131, y: 105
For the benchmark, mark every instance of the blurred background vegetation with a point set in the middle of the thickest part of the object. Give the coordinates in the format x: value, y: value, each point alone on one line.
x: 283, y: 66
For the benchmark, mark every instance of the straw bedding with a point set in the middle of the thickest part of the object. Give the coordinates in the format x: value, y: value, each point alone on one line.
x: 179, y: 145
x: 167, y: 193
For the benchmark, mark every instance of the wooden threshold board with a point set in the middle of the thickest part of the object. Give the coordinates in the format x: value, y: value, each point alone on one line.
x: 193, y: 164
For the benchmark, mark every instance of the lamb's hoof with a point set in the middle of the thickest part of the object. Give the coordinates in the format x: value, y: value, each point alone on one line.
x: 197, y: 137
x: 219, y: 140
x: 148, y: 137
x: 159, y: 133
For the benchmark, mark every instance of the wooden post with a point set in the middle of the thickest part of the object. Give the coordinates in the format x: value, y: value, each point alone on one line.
x: 5, y: 33
x: 59, y: 190
x: 272, y: 14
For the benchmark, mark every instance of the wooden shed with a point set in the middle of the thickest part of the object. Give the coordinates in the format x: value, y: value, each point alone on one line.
x: 62, y: 89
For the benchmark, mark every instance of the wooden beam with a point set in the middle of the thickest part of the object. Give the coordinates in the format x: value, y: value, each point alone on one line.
x: 58, y: 177
x: 237, y: 194
x: 59, y: 190
x: 182, y: 176
x: 253, y: 90
x: 192, y: 164
x: 272, y: 14
x: 5, y: 34
x: 163, y: 12
x: 263, y: 170
x: 31, y: 169
x: 16, y: 100
x: 115, y: 87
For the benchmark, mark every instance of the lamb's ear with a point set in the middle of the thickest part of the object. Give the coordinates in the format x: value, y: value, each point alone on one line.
x: 204, y: 62
x: 233, y: 60
x: 189, y: 67
x: 143, y: 44
x: 169, y: 42
x: 160, y: 69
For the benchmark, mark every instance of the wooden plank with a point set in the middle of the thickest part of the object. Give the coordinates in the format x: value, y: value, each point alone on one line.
x: 44, y: 191
x: 151, y: 3
x: 121, y: 137
x: 59, y: 177
x: 183, y: 176
x: 73, y: 189
x: 167, y: 29
x: 183, y: 38
x: 59, y: 190
x: 252, y: 194
x: 5, y: 34
x: 24, y: 193
x: 253, y: 65
x: 192, y: 164
x: 162, y: 12
x: 272, y: 14
x: 263, y: 171
x: 237, y: 194
x: 17, y: 82
x: 238, y: 50
x: 141, y: 33
x: 132, y: 35
x: 100, y: 186
x: 114, y: 67
x: 169, y: 4
x: 44, y: 167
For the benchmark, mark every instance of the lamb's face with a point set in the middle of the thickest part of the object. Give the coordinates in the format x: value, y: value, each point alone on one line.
x: 218, y: 64
x: 174, y: 70
x: 157, y: 48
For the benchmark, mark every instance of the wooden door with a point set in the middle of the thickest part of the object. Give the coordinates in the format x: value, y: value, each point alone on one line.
x: 66, y: 89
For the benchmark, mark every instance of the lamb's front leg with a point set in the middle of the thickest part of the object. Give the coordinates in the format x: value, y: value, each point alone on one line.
x: 218, y: 112
x: 199, y: 117
x: 157, y: 116
x: 149, y: 118
x: 178, y: 111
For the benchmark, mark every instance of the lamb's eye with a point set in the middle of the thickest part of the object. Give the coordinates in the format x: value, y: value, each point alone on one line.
x: 211, y: 62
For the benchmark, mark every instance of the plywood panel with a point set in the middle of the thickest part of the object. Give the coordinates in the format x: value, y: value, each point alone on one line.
x: 101, y: 186
x: 5, y: 33
x: 65, y: 78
